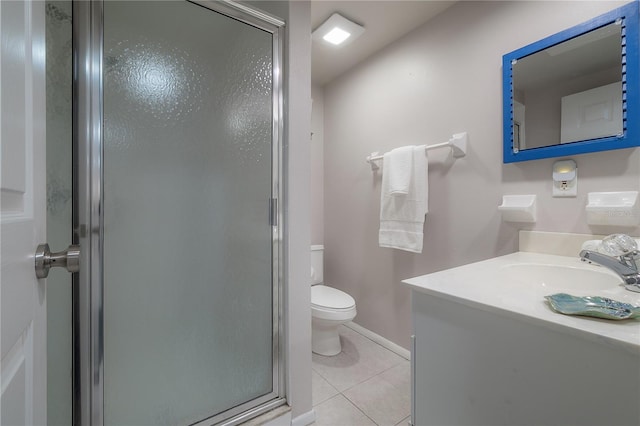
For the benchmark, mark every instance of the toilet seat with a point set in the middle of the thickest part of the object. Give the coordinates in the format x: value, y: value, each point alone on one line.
x: 326, y: 297
x: 331, y: 304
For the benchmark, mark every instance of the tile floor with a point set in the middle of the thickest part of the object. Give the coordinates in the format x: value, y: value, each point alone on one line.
x: 366, y: 384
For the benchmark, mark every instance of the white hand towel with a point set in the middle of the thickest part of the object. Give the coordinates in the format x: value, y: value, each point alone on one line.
x: 402, y: 216
x: 398, y: 164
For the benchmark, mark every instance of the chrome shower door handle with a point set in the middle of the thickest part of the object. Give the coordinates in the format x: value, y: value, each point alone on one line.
x: 45, y: 260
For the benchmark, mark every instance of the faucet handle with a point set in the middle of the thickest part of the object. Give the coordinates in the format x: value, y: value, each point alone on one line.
x: 618, y: 245
x: 630, y: 259
x: 635, y: 254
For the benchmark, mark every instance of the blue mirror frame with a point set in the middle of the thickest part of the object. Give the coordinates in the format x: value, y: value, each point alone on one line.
x: 629, y: 16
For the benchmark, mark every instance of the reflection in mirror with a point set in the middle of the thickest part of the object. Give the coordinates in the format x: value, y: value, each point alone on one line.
x: 566, y: 93
x: 574, y: 92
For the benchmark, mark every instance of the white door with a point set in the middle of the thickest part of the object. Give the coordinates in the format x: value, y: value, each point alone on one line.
x: 592, y: 114
x: 23, y: 215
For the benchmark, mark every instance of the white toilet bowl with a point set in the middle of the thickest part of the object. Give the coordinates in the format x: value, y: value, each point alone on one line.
x: 330, y: 308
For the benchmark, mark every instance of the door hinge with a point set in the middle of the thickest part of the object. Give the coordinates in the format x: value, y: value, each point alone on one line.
x: 273, y: 211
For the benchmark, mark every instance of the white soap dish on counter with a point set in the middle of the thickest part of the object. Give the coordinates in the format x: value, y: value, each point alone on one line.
x: 613, y: 208
x: 518, y: 208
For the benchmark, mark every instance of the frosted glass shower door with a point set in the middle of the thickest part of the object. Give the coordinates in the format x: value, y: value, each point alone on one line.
x: 190, y: 247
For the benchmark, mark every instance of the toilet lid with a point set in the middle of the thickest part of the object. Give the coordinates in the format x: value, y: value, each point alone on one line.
x: 329, y: 297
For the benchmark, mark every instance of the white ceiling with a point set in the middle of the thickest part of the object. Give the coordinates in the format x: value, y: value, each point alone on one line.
x: 384, y: 21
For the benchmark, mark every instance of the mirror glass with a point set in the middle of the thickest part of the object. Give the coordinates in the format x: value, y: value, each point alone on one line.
x: 566, y: 94
x: 571, y: 93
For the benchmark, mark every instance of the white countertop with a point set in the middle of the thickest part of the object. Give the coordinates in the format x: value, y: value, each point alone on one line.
x: 483, y: 285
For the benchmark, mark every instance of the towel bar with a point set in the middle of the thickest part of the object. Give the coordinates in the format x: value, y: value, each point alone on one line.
x: 457, y: 143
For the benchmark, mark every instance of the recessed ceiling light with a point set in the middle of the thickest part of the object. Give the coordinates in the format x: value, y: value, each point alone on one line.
x: 337, y: 31
x: 336, y: 36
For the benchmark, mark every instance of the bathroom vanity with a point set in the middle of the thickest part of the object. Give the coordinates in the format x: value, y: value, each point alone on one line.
x: 489, y: 350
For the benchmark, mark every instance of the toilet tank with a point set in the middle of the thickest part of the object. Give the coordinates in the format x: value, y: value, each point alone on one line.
x: 317, y: 253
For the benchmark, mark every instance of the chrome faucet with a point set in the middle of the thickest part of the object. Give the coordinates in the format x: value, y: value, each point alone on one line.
x: 624, y: 265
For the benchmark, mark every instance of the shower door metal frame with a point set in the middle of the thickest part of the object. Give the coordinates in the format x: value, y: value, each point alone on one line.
x: 88, y: 220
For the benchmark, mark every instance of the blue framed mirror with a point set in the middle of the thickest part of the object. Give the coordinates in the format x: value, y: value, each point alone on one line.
x: 575, y: 92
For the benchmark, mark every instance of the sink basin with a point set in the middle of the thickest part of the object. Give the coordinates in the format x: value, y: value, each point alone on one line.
x: 515, y: 285
x: 560, y: 277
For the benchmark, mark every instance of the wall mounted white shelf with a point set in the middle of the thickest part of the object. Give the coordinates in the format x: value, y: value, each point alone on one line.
x: 518, y: 208
x: 613, y: 208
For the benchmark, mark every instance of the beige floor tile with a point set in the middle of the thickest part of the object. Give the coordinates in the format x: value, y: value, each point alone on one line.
x: 321, y: 389
x: 405, y: 421
x: 367, y: 351
x: 364, y: 384
x: 381, y: 401
x: 359, y: 360
x: 399, y: 376
x: 342, y: 371
x: 338, y: 411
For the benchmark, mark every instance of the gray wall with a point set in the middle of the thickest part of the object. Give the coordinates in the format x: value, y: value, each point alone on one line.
x: 445, y: 77
x: 317, y: 166
x: 298, y: 292
x: 297, y: 296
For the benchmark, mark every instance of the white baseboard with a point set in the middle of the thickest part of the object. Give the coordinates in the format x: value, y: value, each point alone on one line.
x: 282, y: 420
x: 279, y: 416
x: 404, y: 353
x: 304, y: 419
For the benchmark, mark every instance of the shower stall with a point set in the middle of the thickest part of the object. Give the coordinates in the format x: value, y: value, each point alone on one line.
x: 176, y: 178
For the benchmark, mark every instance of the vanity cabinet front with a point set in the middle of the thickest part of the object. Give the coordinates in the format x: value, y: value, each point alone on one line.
x: 476, y: 365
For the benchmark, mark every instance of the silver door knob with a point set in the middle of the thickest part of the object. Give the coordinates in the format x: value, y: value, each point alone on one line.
x: 45, y: 260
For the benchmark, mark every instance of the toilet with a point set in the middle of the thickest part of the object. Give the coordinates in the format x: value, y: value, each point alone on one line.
x: 330, y: 308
